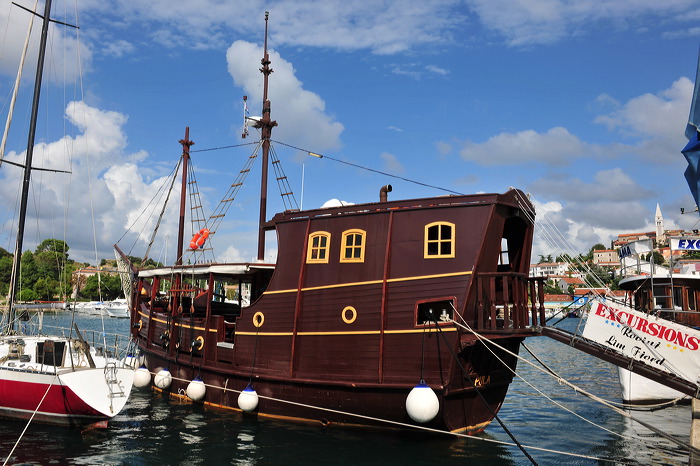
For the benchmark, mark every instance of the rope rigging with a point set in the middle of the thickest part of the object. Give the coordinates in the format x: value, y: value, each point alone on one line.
x: 561, y: 380
x: 476, y: 389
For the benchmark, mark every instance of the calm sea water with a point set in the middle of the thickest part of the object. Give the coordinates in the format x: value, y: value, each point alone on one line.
x: 156, y: 430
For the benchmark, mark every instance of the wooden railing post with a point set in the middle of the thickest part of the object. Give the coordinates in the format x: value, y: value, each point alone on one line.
x: 492, y: 304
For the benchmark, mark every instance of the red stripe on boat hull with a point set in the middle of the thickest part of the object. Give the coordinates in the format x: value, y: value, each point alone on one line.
x: 21, y: 398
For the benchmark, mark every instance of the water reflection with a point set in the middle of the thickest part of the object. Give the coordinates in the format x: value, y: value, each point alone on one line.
x: 153, y: 429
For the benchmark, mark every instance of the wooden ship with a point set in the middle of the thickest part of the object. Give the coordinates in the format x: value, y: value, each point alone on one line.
x: 382, y: 314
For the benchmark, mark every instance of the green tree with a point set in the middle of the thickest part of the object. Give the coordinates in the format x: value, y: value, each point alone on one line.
x: 107, y: 288
x: 5, y: 268
x: 658, y: 257
x: 53, y: 245
x: 29, y: 273
x: 46, y: 288
x: 27, y: 294
x: 50, y: 257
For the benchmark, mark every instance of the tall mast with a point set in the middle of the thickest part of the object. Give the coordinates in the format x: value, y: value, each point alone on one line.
x: 14, y: 280
x: 186, y: 143
x: 266, y: 125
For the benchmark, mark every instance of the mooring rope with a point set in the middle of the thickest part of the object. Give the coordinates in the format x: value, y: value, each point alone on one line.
x: 653, y: 407
x: 399, y: 424
x: 544, y: 394
x: 600, y: 400
x: 478, y: 392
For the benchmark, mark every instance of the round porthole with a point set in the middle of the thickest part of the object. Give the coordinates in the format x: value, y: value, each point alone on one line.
x: 349, y: 315
x: 258, y: 319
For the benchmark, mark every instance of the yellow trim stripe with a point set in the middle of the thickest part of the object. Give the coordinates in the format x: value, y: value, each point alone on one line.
x: 289, y: 334
x: 365, y: 332
x: 373, y: 282
x: 144, y: 314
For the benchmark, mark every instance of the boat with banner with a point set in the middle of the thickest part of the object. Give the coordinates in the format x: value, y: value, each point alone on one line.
x: 659, y: 323
x: 373, y: 314
x: 53, y: 378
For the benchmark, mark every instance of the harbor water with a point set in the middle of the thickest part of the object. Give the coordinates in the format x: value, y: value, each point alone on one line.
x: 552, y: 422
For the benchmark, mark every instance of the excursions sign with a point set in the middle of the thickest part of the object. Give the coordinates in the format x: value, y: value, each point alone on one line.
x: 655, y: 341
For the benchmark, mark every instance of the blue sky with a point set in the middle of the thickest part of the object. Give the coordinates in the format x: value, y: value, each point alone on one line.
x: 582, y: 104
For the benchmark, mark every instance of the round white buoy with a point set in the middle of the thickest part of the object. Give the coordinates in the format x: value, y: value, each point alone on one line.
x: 163, y: 379
x: 422, y: 403
x: 196, y: 389
x: 248, y: 399
x: 142, y: 377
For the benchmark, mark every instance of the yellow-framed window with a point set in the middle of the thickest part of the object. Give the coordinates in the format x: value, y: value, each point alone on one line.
x: 353, y: 246
x: 439, y: 240
x: 319, y: 245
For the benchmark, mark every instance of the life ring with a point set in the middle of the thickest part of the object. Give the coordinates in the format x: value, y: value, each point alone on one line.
x: 199, y: 239
x: 198, y: 343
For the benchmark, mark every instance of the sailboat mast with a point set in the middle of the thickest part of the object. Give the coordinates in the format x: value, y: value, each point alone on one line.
x: 266, y: 125
x: 14, y: 280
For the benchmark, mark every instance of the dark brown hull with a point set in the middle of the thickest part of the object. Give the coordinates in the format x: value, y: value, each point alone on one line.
x: 466, y: 409
x: 344, y: 341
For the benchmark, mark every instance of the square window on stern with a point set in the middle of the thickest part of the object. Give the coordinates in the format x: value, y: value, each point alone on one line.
x: 441, y: 311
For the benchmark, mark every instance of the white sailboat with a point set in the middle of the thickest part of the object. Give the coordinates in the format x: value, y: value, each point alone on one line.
x: 53, y: 378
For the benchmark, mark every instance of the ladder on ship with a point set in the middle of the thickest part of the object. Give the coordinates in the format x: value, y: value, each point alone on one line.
x: 115, y: 388
x: 199, y: 219
x: 662, y: 295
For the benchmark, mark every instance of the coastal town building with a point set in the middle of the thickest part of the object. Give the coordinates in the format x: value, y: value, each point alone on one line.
x: 566, y: 284
x: 549, y: 268
x: 606, y: 258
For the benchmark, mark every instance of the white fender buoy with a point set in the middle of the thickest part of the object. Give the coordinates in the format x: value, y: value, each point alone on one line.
x: 163, y: 379
x: 196, y: 389
x: 422, y: 403
x: 142, y: 377
x: 248, y: 399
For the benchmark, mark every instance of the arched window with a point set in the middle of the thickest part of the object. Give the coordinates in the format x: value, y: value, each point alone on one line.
x: 353, y: 246
x: 319, y: 244
x: 439, y: 240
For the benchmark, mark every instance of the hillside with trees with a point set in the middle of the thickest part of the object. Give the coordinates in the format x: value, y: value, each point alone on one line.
x: 47, y: 274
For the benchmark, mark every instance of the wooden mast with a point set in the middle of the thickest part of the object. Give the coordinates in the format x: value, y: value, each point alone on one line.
x: 266, y: 125
x: 14, y: 279
x: 186, y: 143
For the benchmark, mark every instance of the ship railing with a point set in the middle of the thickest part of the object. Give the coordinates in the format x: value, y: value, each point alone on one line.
x: 508, y: 301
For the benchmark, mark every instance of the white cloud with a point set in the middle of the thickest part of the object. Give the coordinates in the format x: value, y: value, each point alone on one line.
x: 303, y: 113
x: 437, y: 70
x: 392, y: 163
x: 119, y: 48
x: 526, y: 22
x: 653, y: 116
x: 558, y: 232
x: 104, y: 183
x: 555, y: 147
x: 384, y: 28
x: 61, y: 55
